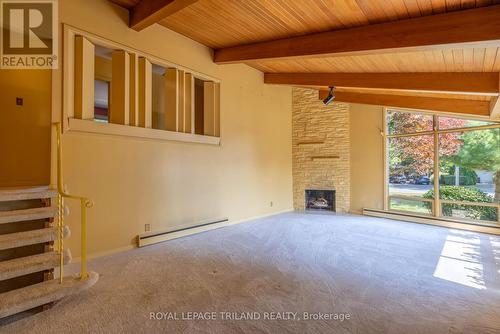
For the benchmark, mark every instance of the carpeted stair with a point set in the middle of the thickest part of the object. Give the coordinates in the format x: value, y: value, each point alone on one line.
x: 20, y: 300
x: 23, y: 226
x: 27, y: 214
x: 31, y: 264
x: 22, y: 193
x: 19, y: 239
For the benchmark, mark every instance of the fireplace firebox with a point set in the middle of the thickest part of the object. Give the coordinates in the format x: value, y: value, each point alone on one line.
x: 320, y: 200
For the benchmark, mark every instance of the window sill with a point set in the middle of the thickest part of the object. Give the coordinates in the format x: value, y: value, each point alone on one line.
x: 90, y: 126
x: 430, y: 220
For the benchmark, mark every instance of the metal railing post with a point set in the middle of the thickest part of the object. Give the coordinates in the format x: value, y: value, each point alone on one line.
x: 84, y: 274
x: 60, y: 222
x: 85, y: 203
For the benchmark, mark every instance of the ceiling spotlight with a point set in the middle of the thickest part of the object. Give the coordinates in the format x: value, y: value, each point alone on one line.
x: 330, y: 97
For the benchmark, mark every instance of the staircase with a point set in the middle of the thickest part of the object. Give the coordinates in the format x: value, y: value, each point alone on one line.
x: 32, y: 233
x: 28, y: 230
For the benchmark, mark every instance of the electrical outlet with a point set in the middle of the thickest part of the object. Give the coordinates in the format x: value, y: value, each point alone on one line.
x: 147, y: 227
x: 19, y: 101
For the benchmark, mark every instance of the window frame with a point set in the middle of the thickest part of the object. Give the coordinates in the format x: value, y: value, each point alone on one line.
x: 437, y: 202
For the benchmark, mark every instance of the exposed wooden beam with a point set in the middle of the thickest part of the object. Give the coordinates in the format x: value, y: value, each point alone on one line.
x: 478, y: 27
x: 459, y: 106
x: 148, y: 12
x: 460, y: 83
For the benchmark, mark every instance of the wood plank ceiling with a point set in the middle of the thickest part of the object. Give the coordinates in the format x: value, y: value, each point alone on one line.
x: 449, y: 60
x: 227, y: 23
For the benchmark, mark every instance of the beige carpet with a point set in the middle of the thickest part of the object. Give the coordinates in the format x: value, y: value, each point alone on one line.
x: 388, y: 276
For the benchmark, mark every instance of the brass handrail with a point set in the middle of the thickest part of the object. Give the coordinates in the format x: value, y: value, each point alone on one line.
x: 85, y: 204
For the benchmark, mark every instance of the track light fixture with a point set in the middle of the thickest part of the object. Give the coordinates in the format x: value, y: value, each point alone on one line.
x: 330, y: 97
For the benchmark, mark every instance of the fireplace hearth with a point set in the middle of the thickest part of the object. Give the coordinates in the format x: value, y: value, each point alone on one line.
x: 320, y: 200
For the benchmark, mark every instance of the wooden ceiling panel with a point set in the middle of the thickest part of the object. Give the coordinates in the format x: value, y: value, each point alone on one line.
x: 457, y: 60
x: 221, y: 23
x: 478, y: 27
x: 225, y: 23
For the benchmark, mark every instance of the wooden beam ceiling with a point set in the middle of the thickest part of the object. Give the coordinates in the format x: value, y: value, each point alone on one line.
x: 478, y: 27
x: 458, y: 106
x: 222, y: 23
x: 148, y: 12
x: 279, y: 37
x: 460, y: 83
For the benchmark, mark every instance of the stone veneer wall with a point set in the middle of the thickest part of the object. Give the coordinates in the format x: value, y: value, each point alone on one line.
x: 320, y: 131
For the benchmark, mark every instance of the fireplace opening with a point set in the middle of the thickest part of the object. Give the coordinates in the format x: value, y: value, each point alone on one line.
x: 320, y: 200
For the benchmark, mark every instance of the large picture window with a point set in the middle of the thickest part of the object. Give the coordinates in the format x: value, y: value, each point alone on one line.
x: 458, y: 159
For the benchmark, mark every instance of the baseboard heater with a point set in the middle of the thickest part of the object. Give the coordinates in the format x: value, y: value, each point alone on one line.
x: 415, y: 218
x: 177, y: 232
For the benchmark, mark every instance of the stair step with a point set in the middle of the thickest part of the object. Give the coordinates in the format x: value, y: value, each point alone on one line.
x: 27, y: 214
x: 25, y: 193
x: 19, y: 239
x: 31, y: 264
x: 29, y: 297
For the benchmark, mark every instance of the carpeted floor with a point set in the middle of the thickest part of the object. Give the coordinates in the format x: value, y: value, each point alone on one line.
x: 386, y: 276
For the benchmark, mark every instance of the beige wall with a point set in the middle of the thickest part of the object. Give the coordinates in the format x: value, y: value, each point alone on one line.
x: 25, y: 130
x: 349, y: 131
x: 328, y: 127
x: 367, y: 160
x: 135, y: 182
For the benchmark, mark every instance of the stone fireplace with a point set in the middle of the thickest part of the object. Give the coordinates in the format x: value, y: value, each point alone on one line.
x: 320, y: 200
x: 320, y: 152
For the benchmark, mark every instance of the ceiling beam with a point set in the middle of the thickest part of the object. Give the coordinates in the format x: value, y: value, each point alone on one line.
x: 458, y: 106
x: 148, y: 12
x: 474, y: 27
x: 459, y: 83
